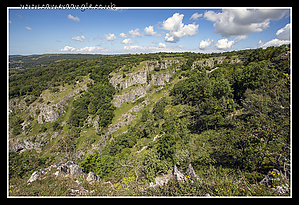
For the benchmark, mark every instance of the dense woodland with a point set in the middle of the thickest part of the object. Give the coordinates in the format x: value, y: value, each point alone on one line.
x: 235, y: 119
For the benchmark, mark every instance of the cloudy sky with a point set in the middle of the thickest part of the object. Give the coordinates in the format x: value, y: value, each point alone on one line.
x: 145, y: 30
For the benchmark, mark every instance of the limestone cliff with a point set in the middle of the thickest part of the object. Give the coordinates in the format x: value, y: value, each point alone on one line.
x: 122, y: 82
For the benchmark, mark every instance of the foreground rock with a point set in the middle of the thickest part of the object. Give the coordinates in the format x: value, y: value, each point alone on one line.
x: 70, y: 168
x: 179, y: 176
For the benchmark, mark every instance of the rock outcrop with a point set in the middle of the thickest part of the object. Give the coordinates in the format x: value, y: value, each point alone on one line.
x: 191, y: 173
x: 178, y: 175
x: 118, y: 81
x: 70, y: 168
x: 130, y: 95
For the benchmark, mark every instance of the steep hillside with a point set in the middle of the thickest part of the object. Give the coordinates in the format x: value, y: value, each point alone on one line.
x: 133, y: 117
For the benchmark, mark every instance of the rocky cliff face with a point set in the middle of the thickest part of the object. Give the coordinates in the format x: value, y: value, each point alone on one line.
x: 142, y: 77
x: 130, y: 95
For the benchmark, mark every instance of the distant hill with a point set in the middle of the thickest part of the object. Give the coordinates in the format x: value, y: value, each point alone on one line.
x: 21, y: 61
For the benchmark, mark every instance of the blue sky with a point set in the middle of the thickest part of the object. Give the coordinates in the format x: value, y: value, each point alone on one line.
x: 145, y: 30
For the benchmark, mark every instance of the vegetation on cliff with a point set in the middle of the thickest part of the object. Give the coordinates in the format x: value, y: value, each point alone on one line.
x: 230, y: 121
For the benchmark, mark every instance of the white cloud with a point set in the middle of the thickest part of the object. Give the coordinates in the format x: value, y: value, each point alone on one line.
x: 123, y: 35
x: 234, y: 22
x: 135, y: 33
x: 110, y: 37
x: 239, y: 38
x: 86, y: 49
x: 127, y: 41
x: 73, y: 18
x: 204, y: 44
x: 78, y: 38
x: 68, y: 48
x: 162, y: 45
x: 195, y: 16
x: 284, y: 33
x: 224, y: 44
x: 28, y: 28
x: 260, y: 43
x: 275, y: 42
x: 283, y: 37
x: 155, y: 42
x: 158, y: 48
x: 149, y: 31
x: 177, y: 29
x: 90, y: 50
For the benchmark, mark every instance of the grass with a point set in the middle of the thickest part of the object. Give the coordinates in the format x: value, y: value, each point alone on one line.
x: 215, y: 182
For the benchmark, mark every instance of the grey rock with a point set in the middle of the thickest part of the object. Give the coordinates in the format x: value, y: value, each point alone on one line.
x: 179, y: 175
x: 59, y: 174
x: 131, y: 95
x: 73, y: 169
x: 92, y: 177
x: 35, y: 175
x: 190, y: 172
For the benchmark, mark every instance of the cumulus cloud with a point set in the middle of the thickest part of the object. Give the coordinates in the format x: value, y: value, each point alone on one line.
x: 195, y: 16
x: 28, y: 28
x: 127, y: 41
x: 275, y: 42
x: 284, y: 33
x: 73, y: 18
x: 224, y: 44
x: 162, y: 45
x: 68, y: 48
x: 78, y: 38
x: 177, y: 29
x: 149, y: 31
x: 239, y: 38
x: 234, y: 22
x: 86, y: 49
x: 123, y: 35
x: 110, y: 37
x: 282, y: 37
x: 135, y: 33
x: 204, y: 44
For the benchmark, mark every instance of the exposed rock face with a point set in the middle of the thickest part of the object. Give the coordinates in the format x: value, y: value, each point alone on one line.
x: 160, y: 78
x: 164, y: 64
x: 130, y: 95
x: 70, y: 168
x: 131, y: 79
x: 47, y: 114
x: 50, y: 113
x: 31, y: 142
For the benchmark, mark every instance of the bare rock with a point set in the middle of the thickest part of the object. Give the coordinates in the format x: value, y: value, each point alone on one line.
x: 92, y: 177
x: 179, y: 175
x: 191, y: 173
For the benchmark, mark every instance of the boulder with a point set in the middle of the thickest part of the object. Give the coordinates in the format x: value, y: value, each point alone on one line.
x: 92, y: 177
x: 35, y: 175
x: 74, y: 169
x: 191, y: 173
x: 179, y: 175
